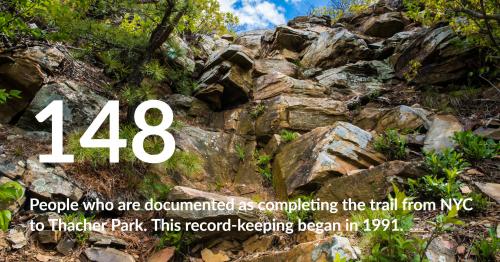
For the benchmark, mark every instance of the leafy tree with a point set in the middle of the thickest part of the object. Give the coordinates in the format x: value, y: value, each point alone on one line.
x: 339, y: 8
x: 476, y: 19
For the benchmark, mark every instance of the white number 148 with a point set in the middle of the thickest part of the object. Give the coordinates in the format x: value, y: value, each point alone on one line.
x: 111, y: 110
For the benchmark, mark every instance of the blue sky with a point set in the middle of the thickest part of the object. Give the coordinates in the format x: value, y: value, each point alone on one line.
x: 258, y: 14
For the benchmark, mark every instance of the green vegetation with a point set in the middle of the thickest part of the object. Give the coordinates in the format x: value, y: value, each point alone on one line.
x: 78, y: 217
x: 128, y: 38
x: 413, y: 72
x: 479, y: 203
x: 9, y: 193
x: 288, y: 136
x: 240, y: 151
x: 151, y: 187
x: 397, y: 243
x: 264, y: 166
x: 184, y: 163
x: 448, y: 159
x: 340, y: 8
x: 295, y: 216
x: 99, y: 157
x: 431, y: 187
x: 486, y: 249
x: 391, y: 144
x: 475, y: 147
x: 176, y: 125
x: 477, y: 20
x: 177, y: 239
x: 5, y: 95
x: 257, y: 111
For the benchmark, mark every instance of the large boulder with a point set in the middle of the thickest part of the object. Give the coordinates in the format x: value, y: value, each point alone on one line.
x: 81, y: 106
x: 48, y: 57
x: 186, y: 194
x: 298, y: 113
x: 365, y: 185
x: 441, y: 131
x: 360, y: 78
x: 323, y: 153
x: 19, y: 74
x: 235, y: 54
x: 305, y: 22
x: 404, y: 118
x: 266, y: 66
x: 225, y: 86
x: 289, y: 38
x: 217, y: 152
x: 440, y: 58
x: 384, y: 25
x: 50, y: 184
x: 276, y: 83
x: 251, y: 40
x: 335, y: 48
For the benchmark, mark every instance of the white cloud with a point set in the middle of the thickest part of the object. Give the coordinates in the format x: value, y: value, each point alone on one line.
x: 255, y: 14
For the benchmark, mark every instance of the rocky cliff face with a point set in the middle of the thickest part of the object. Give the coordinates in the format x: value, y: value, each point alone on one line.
x: 337, y: 84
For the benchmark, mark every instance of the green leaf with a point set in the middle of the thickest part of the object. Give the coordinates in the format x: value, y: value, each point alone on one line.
x: 5, y: 217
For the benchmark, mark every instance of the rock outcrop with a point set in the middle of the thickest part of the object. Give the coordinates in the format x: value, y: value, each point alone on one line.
x: 325, y: 152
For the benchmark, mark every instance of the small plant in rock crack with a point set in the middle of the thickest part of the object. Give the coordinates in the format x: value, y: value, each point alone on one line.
x: 151, y: 187
x: 240, y: 151
x: 184, y: 163
x: 5, y: 95
x: 78, y: 217
x: 9, y: 193
x: 177, y: 239
x: 391, y: 144
x: 474, y: 147
x: 295, y: 216
x: 288, y: 136
x: 264, y: 167
x: 437, y: 162
x: 257, y: 111
x: 414, y: 68
x: 487, y: 248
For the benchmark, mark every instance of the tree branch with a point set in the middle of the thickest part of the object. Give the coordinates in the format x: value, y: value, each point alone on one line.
x: 477, y: 14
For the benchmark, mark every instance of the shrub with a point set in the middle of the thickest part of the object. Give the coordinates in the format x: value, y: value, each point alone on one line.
x: 257, y: 111
x: 399, y: 244
x: 4, y: 95
x: 434, y: 188
x: 152, y: 187
x: 240, y: 150
x: 100, y: 156
x: 288, y: 136
x: 155, y: 71
x: 182, y: 81
x: 177, y: 239
x: 78, y: 217
x: 133, y: 95
x: 9, y: 193
x: 475, y: 147
x: 295, y: 216
x: 391, y: 144
x: 479, y: 203
x: 486, y: 249
x: 447, y: 159
x: 264, y: 167
x: 184, y: 163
